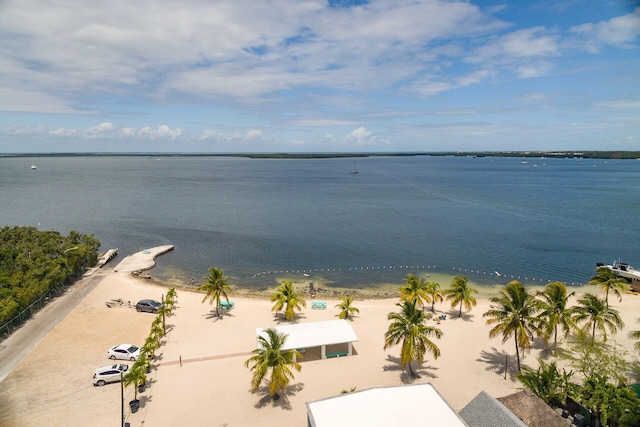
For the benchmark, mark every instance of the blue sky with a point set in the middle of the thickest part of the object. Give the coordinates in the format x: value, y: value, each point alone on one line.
x: 319, y: 76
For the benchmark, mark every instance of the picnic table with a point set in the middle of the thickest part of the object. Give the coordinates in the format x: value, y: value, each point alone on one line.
x: 318, y: 305
x: 225, y: 305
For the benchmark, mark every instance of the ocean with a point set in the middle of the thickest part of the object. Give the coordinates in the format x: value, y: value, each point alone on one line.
x: 491, y: 219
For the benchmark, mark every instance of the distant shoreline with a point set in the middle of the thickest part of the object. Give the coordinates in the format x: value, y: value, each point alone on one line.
x: 586, y: 154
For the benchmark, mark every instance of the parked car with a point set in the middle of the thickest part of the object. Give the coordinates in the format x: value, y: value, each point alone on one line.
x: 109, y: 374
x: 148, y: 305
x: 124, y: 351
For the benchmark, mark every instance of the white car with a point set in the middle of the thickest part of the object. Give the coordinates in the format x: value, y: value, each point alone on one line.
x: 124, y: 351
x: 109, y: 374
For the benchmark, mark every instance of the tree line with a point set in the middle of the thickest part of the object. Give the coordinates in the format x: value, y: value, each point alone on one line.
x: 34, y: 262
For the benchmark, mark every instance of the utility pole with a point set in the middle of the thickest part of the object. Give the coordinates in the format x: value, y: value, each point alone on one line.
x: 121, y: 400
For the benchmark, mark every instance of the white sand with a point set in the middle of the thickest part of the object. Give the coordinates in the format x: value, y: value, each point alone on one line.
x: 52, y: 385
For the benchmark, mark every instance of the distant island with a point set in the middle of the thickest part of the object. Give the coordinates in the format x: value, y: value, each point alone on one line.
x: 548, y: 154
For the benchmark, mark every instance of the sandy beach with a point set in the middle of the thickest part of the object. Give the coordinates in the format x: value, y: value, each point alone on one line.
x: 200, y: 379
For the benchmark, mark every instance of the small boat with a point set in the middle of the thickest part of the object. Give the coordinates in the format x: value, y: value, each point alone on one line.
x: 353, y: 171
x: 623, y: 269
x: 33, y: 167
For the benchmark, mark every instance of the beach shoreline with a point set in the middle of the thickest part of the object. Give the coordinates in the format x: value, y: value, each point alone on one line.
x: 199, y: 378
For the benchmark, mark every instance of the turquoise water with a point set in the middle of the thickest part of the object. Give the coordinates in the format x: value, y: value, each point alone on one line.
x: 262, y: 219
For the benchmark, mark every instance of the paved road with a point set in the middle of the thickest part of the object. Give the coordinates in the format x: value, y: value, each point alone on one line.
x: 23, y: 340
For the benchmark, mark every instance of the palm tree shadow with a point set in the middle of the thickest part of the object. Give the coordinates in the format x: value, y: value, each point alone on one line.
x: 406, y: 378
x: 282, y: 401
x: 279, y: 318
x: 495, y: 361
x: 212, y: 315
x: 453, y: 315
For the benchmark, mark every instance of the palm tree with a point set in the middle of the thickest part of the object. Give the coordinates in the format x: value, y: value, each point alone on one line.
x: 555, y: 312
x: 215, y: 285
x: 433, y: 290
x: 269, y: 358
x: 408, y: 328
x: 136, y: 376
x: 635, y: 335
x: 414, y: 290
x: 547, y: 382
x: 461, y: 293
x: 514, y: 314
x: 597, y: 315
x: 608, y: 280
x: 288, y: 298
x: 346, y: 308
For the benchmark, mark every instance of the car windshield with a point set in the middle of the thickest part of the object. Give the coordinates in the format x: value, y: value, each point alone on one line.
x: 132, y: 349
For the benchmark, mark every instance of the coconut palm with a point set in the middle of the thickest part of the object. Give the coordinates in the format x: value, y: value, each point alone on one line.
x: 635, y: 335
x: 554, y: 311
x: 287, y: 298
x: 597, y: 315
x: 215, y: 285
x: 171, y: 297
x: 270, y: 360
x: 409, y: 329
x: 609, y: 281
x: 460, y: 293
x: 346, y: 308
x: 433, y: 290
x: 136, y: 376
x: 414, y: 290
x: 547, y: 382
x: 151, y: 344
x: 514, y: 315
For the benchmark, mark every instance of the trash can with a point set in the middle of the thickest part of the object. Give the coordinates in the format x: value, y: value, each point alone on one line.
x: 134, y: 405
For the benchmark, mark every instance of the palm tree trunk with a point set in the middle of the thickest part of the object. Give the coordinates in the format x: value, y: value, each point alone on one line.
x: 517, y: 350
x: 555, y: 339
x: 412, y: 372
x: 460, y: 313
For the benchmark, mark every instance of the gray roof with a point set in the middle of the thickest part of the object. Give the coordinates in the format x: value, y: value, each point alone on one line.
x: 486, y: 411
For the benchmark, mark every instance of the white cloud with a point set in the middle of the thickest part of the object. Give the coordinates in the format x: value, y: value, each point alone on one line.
x: 620, y: 30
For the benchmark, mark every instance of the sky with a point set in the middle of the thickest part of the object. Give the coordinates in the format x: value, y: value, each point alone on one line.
x: 236, y: 76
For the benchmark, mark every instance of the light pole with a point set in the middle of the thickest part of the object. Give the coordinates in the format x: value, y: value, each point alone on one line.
x: 121, y: 400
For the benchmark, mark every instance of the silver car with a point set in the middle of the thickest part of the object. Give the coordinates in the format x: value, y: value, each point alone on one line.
x: 109, y: 374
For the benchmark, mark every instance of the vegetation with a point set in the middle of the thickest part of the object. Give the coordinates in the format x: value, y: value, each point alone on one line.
x: 433, y: 290
x: 596, y: 315
x: 548, y: 383
x: 34, y: 262
x: 408, y: 329
x: 136, y: 376
x: 346, y: 309
x: 555, y: 312
x: 514, y: 315
x: 461, y: 293
x: 414, y: 290
x: 269, y: 360
x: 635, y: 335
x: 216, y: 287
x: 287, y: 298
x: 609, y: 281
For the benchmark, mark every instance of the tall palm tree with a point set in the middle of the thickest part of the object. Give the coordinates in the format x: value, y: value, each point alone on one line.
x: 215, y: 285
x: 554, y: 311
x: 270, y: 359
x: 461, y: 293
x: 597, y: 315
x: 514, y: 315
x: 609, y: 281
x: 408, y: 328
x: 136, y: 376
x: 346, y: 308
x: 414, y: 290
x: 433, y: 290
x: 635, y: 335
x: 287, y: 298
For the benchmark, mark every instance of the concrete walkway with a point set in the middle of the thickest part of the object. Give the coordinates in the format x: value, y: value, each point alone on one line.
x: 143, y: 260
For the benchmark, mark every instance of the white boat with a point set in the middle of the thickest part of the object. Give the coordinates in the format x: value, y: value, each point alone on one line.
x: 33, y: 167
x: 623, y: 269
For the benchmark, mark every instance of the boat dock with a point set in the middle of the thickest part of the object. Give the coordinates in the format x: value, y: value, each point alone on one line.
x: 102, y: 260
x: 143, y: 260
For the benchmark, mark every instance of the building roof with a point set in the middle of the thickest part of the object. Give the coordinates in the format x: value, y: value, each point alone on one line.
x: 532, y: 410
x: 314, y: 334
x: 486, y: 411
x: 407, y: 405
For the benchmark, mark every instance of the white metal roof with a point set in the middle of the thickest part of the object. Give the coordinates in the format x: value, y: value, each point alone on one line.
x: 315, y: 334
x: 408, y: 405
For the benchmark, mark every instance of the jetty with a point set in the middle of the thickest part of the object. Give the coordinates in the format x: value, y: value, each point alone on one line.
x: 102, y: 260
x: 143, y: 260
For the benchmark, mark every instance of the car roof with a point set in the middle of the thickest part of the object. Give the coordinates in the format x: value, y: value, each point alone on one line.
x: 150, y: 301
x: 110, y: 367
x: 121, y: 346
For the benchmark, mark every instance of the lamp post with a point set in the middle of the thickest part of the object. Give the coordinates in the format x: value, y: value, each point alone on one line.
x: 121, y: 400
